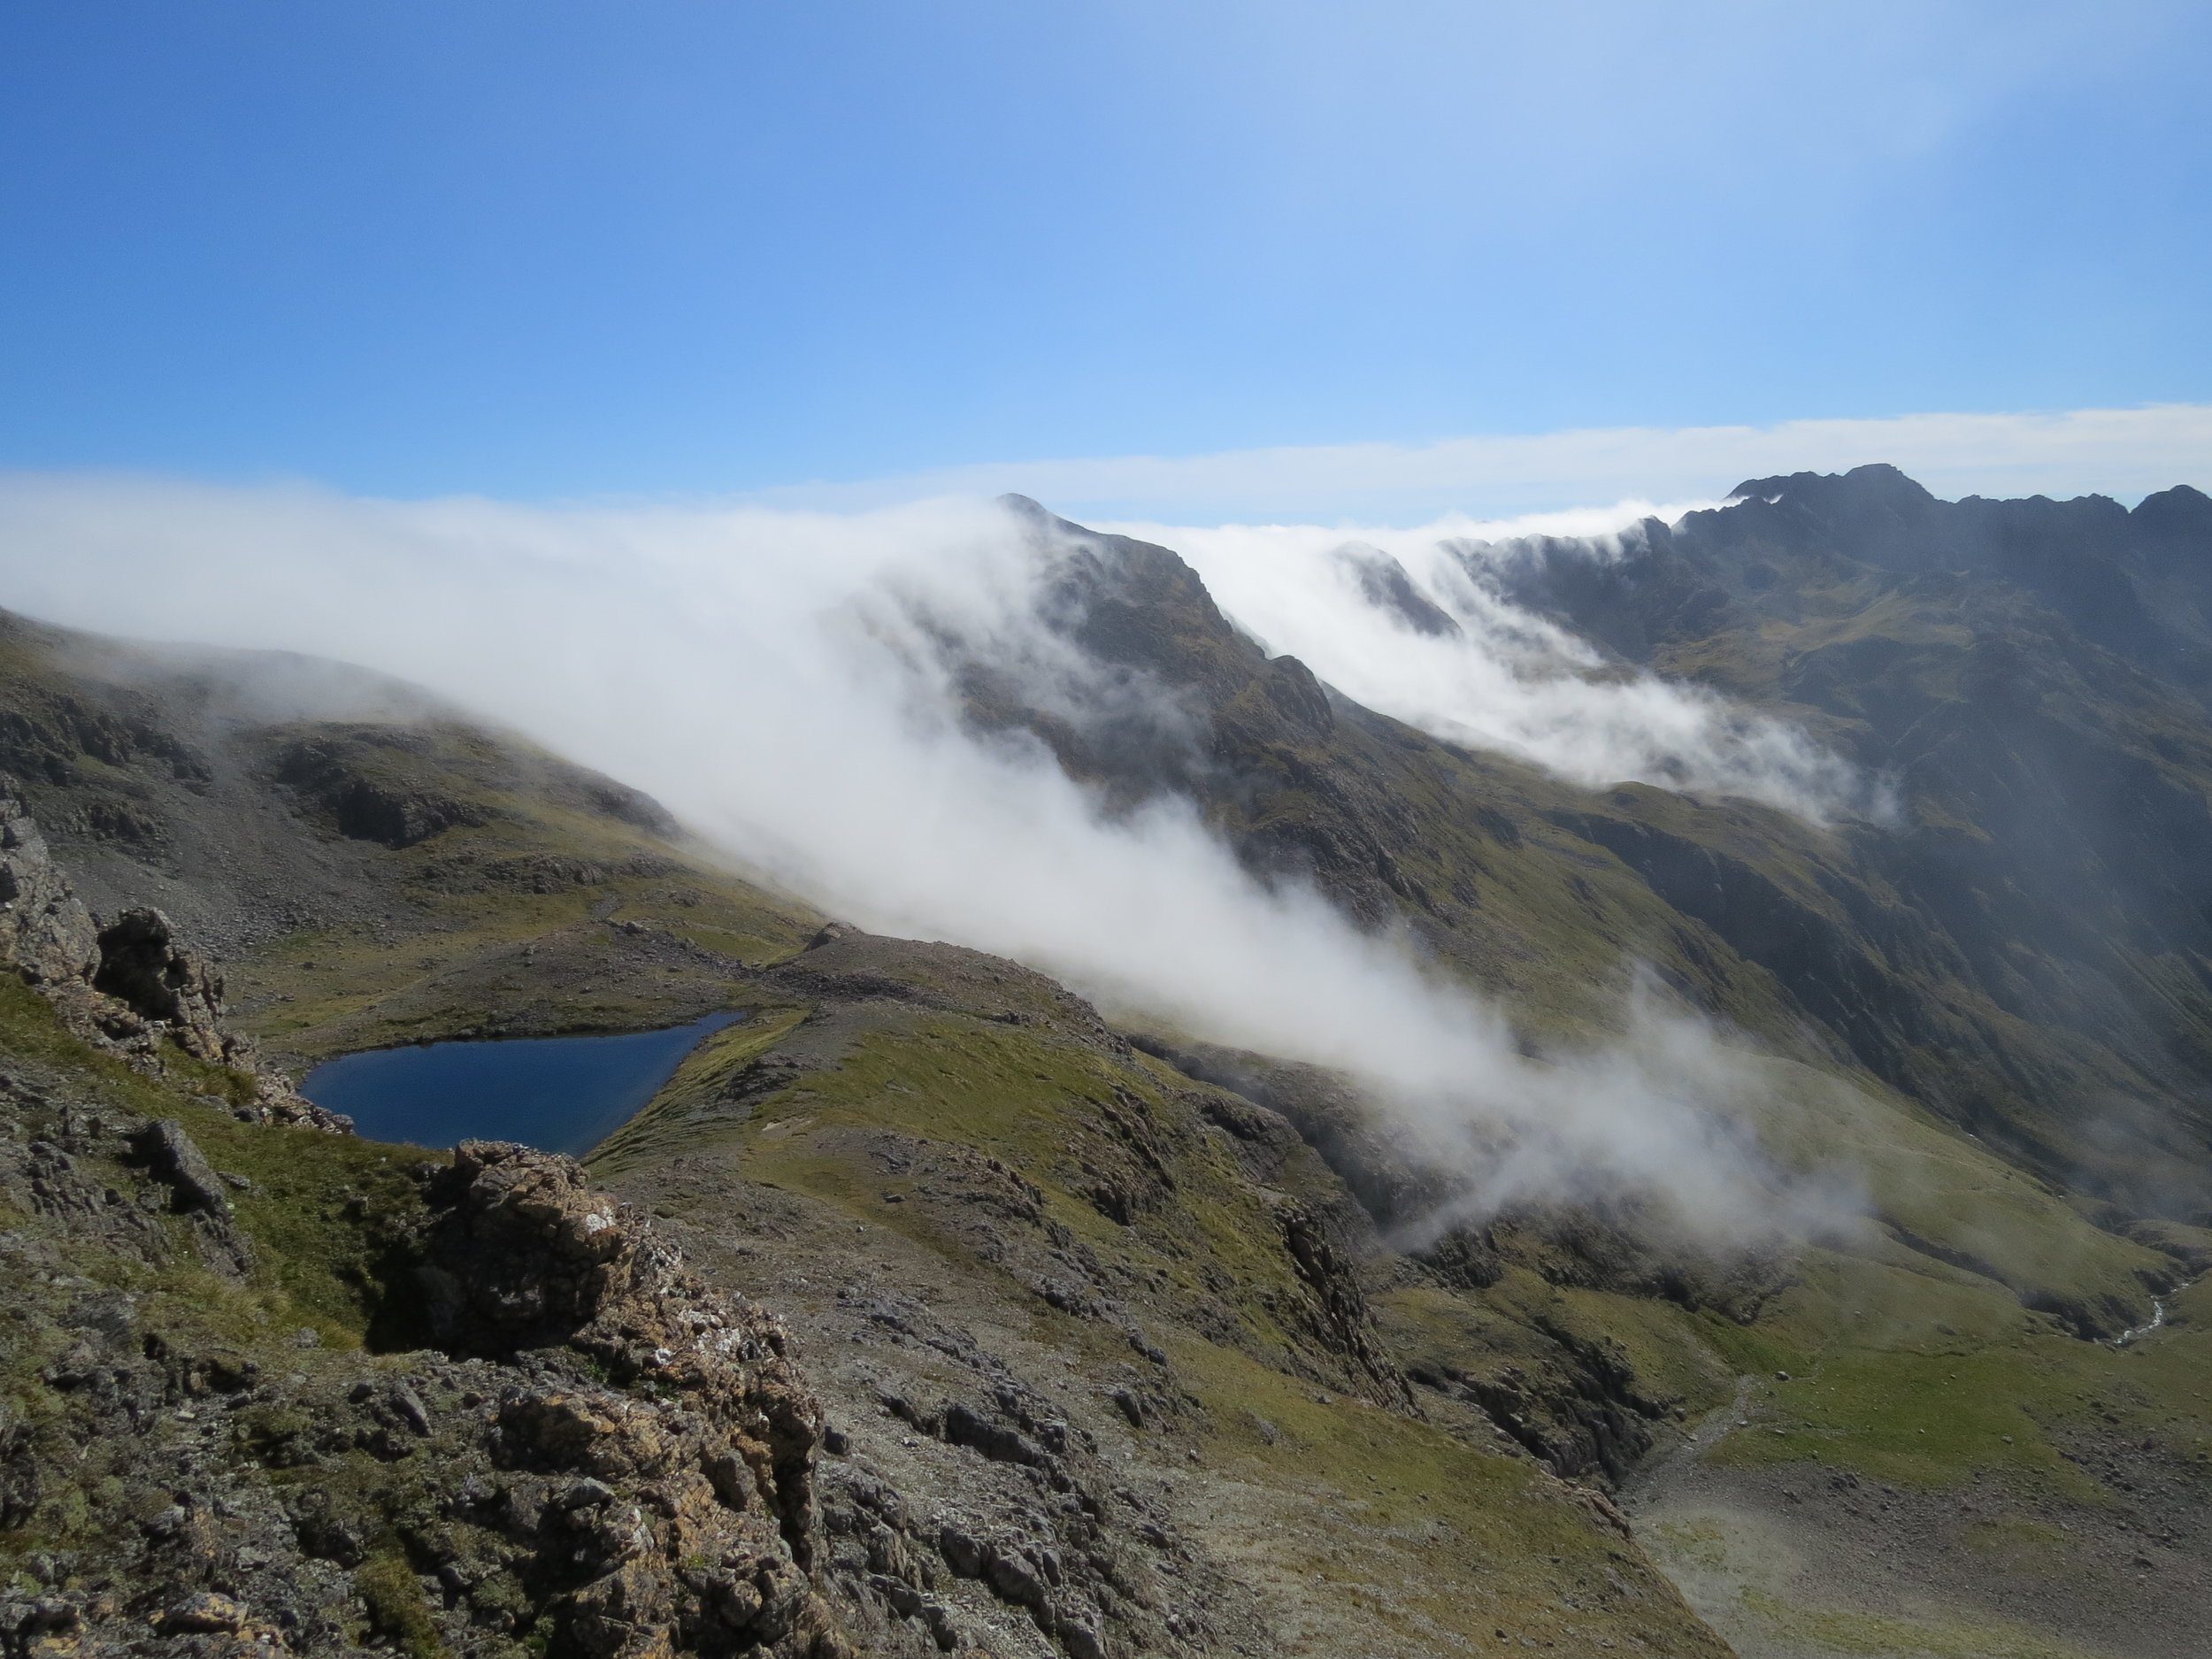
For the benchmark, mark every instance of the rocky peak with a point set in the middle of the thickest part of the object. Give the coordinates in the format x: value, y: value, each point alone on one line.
x: 2177, y: 523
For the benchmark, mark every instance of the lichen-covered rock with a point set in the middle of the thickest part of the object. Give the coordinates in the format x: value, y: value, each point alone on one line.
x: 689, y: 1495
x: 174, y: 1157
x: 198, y: 1192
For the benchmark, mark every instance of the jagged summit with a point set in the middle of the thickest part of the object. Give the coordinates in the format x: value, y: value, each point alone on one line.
x: 1879, y: 513
x: 1875, y: 487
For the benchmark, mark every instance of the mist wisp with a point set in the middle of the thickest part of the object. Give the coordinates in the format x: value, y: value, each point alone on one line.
x: 772, y: 678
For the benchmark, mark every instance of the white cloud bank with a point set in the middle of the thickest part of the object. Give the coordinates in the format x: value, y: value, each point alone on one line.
x: 732, y: 663
x: 2125, y: 453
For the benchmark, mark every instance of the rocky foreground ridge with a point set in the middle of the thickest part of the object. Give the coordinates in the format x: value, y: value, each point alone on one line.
x: 640, y: 1482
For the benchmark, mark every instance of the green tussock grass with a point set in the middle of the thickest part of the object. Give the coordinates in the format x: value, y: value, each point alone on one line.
x: 1880, y: 1636
x: 1038, y: 1105
x: 1929, y: 1381
x: 694, y: 1111
x: 1424, y: 1535
x: 329, y: 1214
x: 398, y: 1609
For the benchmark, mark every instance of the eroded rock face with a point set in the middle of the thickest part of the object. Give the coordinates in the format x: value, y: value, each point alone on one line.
x: 374, y: 784
x: 44, y: 932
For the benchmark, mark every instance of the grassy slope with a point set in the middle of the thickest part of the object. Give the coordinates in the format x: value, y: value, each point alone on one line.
x: 1903, y: 1365
x: 1345, y: 1514
x: 1939, y: 1391
x: 1904, y: 1368
x: 321, y: 1208
x: 513, y: 957
x: 501, y: 925
x: 1959, y: 1256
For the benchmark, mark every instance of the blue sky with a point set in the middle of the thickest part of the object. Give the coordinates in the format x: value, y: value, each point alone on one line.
x: 551, y: 248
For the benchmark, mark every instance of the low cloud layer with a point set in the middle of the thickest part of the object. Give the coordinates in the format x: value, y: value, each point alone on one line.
x: 2125, y: 453
x: 758, y: 673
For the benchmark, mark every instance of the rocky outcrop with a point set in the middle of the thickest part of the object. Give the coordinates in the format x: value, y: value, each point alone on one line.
x: 401, y: 784
x: 143, y: 967
x: 527, y: 1255
x: 373, y: 783
x: 688, y: 1471
x: 132, y: 988
x: 199, y: 1193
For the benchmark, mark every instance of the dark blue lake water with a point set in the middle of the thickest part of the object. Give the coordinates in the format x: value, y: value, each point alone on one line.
x: 561, y: 1094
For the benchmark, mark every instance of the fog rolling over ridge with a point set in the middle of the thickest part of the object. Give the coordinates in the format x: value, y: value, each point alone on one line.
x: 1414, y: 623
x: 782, y: 682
